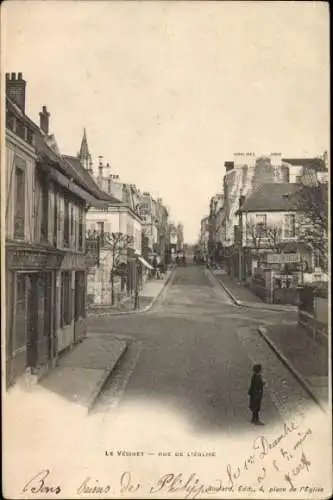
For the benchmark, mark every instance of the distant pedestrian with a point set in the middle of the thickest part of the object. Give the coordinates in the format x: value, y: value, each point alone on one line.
x: 256, y: 393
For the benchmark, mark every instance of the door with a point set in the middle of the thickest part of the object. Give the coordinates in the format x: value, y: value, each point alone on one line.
x: 32, y: 320
x: 48, y: 313
x: 76, y: 305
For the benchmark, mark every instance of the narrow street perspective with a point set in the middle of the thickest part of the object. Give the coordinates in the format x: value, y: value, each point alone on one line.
x: 195, y: 350
x: 166, y: 260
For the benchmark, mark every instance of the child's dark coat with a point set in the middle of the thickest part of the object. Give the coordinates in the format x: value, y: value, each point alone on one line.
x: 256, y: 392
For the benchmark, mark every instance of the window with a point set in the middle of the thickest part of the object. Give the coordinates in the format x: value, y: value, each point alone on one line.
x: 71, y: 225
x: 66, y: 223
x: 109, y: 185
x: 289, y: 226
x: 10, y: 121
x: 20, y: 129
x: 19, y: 202
x: 66, y: 298
x: 261, y: 224
x: 261, y: 219
x: 55, y: 221
x: 30, y: 136
x: 44, y: 229
x: 80, y: 228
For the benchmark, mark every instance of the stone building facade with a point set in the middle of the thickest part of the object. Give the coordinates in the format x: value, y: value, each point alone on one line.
x: 46, y: 204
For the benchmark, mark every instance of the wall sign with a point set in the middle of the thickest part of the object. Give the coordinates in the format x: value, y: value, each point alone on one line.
x: 283, y: 258
x: 27, y: 259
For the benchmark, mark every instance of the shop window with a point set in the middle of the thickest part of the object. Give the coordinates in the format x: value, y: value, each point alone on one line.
x: 21, y: 313
x: 66, y: 298
x: 19, y: 202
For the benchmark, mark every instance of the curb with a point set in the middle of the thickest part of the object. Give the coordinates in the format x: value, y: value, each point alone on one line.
x: 228, y: 292
x: 145, y: 309
x: 263, y: 333
x: 102, y: 382
x: 166, y: 282
x: 269, y: 307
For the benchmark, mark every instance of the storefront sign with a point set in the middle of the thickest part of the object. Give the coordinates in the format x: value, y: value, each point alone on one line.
x: 27, y: 259
x: 283, y: 258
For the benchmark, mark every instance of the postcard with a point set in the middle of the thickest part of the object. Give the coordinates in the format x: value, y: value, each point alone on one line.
x: 165, y: 249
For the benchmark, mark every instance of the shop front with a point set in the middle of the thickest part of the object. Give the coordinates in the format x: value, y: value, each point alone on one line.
x: 71, y: 285
x: 30, y: 309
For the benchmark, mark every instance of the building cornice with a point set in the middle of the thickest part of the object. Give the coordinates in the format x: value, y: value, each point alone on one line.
x: 117, y: 209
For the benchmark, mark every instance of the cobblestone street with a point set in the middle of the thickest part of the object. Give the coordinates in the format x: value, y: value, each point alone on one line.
x: 195, y: 350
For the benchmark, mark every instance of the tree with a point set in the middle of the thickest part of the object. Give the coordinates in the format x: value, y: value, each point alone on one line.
x: 255, y: 232
x: 117, y: 244
x: 273, y: 235
x: 311, y: 202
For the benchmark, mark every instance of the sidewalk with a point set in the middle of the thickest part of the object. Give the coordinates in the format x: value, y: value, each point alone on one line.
x: 307, y: 359
x: 151, y: 290
x: 83, y: 371
x: 242, y: 295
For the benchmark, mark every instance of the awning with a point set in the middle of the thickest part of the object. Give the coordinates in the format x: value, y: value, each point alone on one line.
x: 144, y: 262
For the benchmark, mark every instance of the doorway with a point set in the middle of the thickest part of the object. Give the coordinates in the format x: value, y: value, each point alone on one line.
x: 32, y: 320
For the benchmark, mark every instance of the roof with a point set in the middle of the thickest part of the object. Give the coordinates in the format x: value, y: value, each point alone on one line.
x: 67, y: 165
x: 15, y: 108
x: 271, y: 197
x: 84, y: 179
x: 317, y: 163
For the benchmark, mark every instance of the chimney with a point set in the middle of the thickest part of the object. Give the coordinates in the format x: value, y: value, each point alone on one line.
x: 15, y: 89
x: 100, y: 167
x: 44, y: 116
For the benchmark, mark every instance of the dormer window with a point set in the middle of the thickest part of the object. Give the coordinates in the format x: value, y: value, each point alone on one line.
x: 30, y: 136
x: 10, y: 121
x: 20, y: 129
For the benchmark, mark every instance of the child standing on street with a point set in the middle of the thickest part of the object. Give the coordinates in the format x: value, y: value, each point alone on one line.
x: 256, y: 393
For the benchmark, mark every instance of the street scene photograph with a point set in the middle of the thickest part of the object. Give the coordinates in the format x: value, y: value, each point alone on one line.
x: 166, y: 252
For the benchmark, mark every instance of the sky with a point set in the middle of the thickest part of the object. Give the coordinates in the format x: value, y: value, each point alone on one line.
x: 168, y: 91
